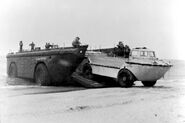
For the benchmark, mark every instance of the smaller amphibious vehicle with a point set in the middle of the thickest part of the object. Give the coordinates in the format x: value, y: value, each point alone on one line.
x: 142, y: 65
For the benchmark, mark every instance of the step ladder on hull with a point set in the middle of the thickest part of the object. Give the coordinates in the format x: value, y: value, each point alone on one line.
x: 80, y: 76
x: 88, y: 83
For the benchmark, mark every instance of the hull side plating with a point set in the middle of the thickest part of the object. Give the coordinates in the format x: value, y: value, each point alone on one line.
x: 143, y: 70
x: 59, y: 62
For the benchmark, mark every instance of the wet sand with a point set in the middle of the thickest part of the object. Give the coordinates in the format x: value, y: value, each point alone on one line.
x: 35, y: 104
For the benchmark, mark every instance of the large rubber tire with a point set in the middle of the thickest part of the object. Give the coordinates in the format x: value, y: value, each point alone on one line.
x: 12, y: 70
x: 87, y: 71
x: 149, y: 83
x: 42, y: 76
x: 125, y: 78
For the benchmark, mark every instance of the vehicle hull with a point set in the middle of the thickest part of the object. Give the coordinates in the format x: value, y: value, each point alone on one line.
x: 59, y: 62
x: 147, y: 72
x: 142, y: 70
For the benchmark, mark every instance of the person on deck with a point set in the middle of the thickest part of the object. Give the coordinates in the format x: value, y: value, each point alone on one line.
x: 127, y: 51
x: 120, y: 49
x: 21, y: 45
x: 76, y: 43
x: 32, y: 46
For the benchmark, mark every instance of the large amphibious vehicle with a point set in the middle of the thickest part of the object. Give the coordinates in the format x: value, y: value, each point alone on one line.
x: 142, y: 65
x: 46, y: 67
x: 51, y: 66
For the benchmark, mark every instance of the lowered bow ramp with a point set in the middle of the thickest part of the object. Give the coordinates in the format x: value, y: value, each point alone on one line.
x: 86, y: 82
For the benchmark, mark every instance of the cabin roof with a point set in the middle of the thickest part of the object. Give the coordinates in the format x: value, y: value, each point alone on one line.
x: 141, y: 49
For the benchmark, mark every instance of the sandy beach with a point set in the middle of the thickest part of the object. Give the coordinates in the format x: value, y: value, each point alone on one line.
x: 160, y: 104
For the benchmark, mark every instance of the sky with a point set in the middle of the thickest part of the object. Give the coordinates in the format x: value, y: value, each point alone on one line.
x: 156, y: 24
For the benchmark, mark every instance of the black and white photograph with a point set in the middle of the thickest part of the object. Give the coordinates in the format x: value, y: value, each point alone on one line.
x: 92, y: 61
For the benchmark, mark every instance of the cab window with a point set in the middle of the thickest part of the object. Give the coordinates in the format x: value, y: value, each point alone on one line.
x: 151, y: 54
x: 144, y: 53
x: 135, y: 53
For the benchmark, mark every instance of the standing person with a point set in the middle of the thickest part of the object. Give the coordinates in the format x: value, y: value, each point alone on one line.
x: 32, y: 46
x: 76, y: 43
x: 127, y: 51
x: 120, y: 49
x: 48, y: 45
x: 120, y: 44
x: 21, y: 45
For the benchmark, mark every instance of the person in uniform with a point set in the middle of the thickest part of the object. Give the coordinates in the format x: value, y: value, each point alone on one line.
x: 76, y: 43
x: 48, y: 46
x: 127, y: 51
x: 21, y: 45
x: 120, y: 45
x: 32, y: 46
x: 120, y: 49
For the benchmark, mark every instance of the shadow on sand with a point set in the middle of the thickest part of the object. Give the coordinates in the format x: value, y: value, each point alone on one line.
x: 28, y: 87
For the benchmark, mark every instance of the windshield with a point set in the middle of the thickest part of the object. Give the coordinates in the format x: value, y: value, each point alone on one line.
x: 143, y: 53
x: 135, y: 53
x: 151, y: 54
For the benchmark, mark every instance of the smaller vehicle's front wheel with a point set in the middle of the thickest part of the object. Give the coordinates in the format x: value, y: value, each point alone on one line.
x: 42, y: 75
x: 125, y: 78
x: 149, y: 83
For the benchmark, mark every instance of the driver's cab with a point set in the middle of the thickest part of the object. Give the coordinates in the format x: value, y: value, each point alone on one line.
x: 142, y: 53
